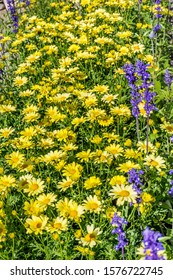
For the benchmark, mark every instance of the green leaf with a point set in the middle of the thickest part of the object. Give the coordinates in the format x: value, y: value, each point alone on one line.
x: 164, y: 238
x: 157, y: 86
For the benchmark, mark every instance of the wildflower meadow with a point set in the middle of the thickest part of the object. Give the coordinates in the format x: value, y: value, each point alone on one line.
x: 86, y: 130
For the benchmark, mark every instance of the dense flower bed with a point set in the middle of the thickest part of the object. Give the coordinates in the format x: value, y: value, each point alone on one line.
x: 86, y: 131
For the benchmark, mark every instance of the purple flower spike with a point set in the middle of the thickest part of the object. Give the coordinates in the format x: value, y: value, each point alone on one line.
x: 135, y: 180
x: 122, y: 241
x: 170, y: 192
x: 14, y: 17
x: 152, y: 245
x: 167, y: 78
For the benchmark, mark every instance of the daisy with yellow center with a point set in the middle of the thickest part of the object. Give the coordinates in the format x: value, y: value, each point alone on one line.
x: 123, y: 194
x: 36, y: 224
x: 90, y: 239
x: 34, y: 187
x: 32, y: 208
x: 24, y: 180
x: 75, y: 211
x: 168, y: 127
x: 15, y: 159
x: 20, y: 81
x: 142, y: 146
x: 105, y: 121
x: 73, y: 170
x: 46, y: 199
x: 118, y: 180
x: 92, y: 204
x: 5, y: 132
x: 84, y: 156
x: 28, y: 132
x: 92, y: 182
x: 6, y: 181
x: 125, y: 167
x: 57, y: 225
x: 155, y: 162
x: 114, y: 150
x: 96, y: 140
x: 63, y: 207
x: 53, y: 156
x: 65, y: 184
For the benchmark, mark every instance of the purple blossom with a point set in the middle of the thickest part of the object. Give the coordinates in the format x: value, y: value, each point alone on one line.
x: 158, y: 9
x: 27, y: 2
x: 167, y: 78
x: 136, y: 97
x: 151, y: 243
x: 171, y: 139
x: 122, y: 241
x: 135, y: 180
x: 170, y: 192
x: 156, y: 28
x: 141, y: 70
x: 171, y: 172
x: 14, y: 17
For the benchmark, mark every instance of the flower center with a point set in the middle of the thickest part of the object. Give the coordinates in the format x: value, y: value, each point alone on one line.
x: 89, y: 237
x: 57, y: 225
x: 154, y: 163
x: 38, y: 225
x: 124, y: 193
x: 94, y: 206
x: 35, y: 187
x: 73, y: 213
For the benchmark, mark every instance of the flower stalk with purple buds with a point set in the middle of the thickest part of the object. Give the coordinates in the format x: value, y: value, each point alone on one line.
x: 119, y: 222
x: 140, y: 93
x: 135, y: 180
x: 148, y: 95
x: 13, y: 13
x: 153, y: 249
x: 170, y: 192
x: 136, y: 97
x: 168, y: 79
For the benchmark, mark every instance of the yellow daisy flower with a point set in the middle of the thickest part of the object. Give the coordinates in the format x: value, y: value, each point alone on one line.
x: 36, y: 224
x: 92, y: 204
x: 155, y: 162
x: 90, y: 239
x: 92, y: 182
x: 123, y: 194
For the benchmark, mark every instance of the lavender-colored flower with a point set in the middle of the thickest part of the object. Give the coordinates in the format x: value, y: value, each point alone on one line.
x: 27, y: 2
x: 14, y: 17
x: 167, y: 78
x: 158, y: 9
x: 152, y: 35
x: 156, y: 28
x: 171, y: 139
x: 171, y: 172
x: 136, y: 97
x: 122, y: 241
x: 170, y: 192
x: 152, y: 244
x: 135, y: 180
x: 141, y: 69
